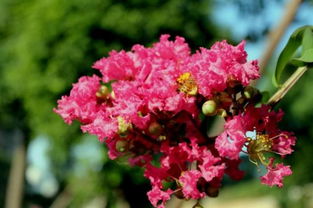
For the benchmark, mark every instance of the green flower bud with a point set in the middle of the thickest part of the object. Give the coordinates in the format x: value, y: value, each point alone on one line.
x: 155, y: 128
x: 103, y: 92
x: 123, y: 126
x: 209, y: 108
x: 113, y: 94
x: 121, y: 145
x: 161, y: 138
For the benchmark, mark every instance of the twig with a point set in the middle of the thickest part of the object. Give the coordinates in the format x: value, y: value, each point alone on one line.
x: 287, y: 86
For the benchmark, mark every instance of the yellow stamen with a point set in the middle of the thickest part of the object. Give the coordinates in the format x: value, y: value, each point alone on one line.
x: 187, y: 84
x: 123, y: 126
x: 103, y: 93
x: 257, y: 147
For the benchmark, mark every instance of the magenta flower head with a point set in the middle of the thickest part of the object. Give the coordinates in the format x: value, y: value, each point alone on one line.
x: 155, y: 101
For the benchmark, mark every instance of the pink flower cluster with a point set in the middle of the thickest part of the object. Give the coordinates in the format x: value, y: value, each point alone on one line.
x: 154, y: 103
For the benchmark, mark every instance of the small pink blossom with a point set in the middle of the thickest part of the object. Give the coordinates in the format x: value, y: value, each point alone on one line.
x: 230, y: 142
x: 81, y: 104
x: 262, y: 119
x: 176, y: 50
x: 275, y: 175
x: 213, y: 67
x: 284, y: 143
x: 189, y: 180
x: 210, y: 166
x: 118, y: 66
x: 158, y: 197
x: 102, y: 126
x: 177, y: 155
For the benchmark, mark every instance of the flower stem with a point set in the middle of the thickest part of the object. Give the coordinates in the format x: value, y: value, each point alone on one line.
x: 287, y: 86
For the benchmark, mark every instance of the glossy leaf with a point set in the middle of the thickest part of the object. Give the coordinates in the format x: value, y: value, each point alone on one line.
x: 292, y: 45
x: 301, y: 37
x: 307, y: 41
x: 307, y: 57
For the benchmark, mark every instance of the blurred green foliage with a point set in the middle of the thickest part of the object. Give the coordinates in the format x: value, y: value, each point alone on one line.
x: 46, y: 45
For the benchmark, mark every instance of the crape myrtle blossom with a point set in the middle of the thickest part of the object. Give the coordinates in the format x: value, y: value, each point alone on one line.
x: 275, y: 174
x: 268, y: 139
x: 155, y: 102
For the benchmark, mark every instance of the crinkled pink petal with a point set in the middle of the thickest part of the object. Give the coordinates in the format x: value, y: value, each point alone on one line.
x: 226, y: 147
x: 85, y: 88
x: 274, y: 176
x: 113, y: 153
x: 229, y: 144
x: 189, y: 180
x: 210, y: 167
x: 262, y: 118
x: 81, y: 104
x: 284, y: 143
x: 180, y: 102
x: 68, y: 109
x: 196, y: 152
x: 142, y: 122
x: 102, y: 126
x: 118, y: 66
x: 175, y: 155
x: 158, y: 197
x: 155, y: 175
x: 212, y: 68
x: 176, y: 50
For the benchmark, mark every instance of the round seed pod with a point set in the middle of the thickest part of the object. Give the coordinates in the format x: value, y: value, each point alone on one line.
x: 121, y: 145
x: 155, y: 128
x: 209, y: 108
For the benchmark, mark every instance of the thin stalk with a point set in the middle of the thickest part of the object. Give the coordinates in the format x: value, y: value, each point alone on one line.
x: 287, y: 86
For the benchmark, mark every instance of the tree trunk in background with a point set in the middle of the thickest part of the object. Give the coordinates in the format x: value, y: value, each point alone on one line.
x: 15, y: 187
x: 277, y: 32
x: 63, y: 199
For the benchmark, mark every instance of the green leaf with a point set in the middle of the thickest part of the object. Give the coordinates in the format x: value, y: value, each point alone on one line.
x: 303, y: 36
x: 307, y: 41
x: 295, y: 62
x: 292, y: 45
x: 307, y: 56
